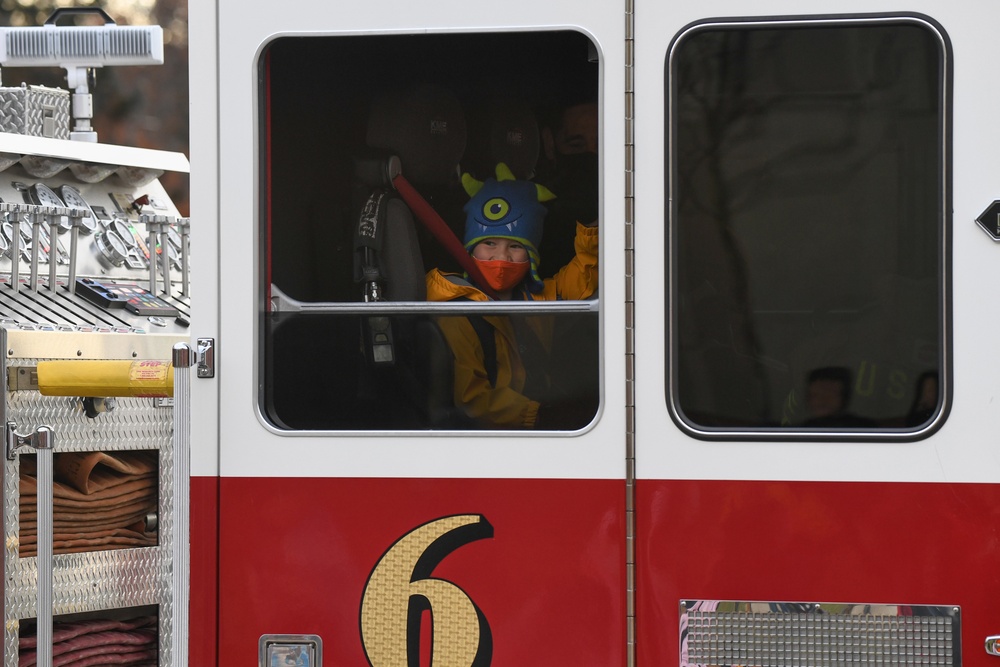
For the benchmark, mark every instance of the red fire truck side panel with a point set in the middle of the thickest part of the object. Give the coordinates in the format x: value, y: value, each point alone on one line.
x: 299, y: 552
x: 815, y: 542
x: 203, y: 640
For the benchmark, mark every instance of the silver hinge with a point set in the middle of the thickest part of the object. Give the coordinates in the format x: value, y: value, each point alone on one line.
x: 42, y: 437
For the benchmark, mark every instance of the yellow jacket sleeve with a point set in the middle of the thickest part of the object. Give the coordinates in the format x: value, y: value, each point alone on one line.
x: 499, y: 406
x: 578, y: 279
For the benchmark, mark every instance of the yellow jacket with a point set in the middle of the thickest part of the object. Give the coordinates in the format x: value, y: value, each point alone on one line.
x: 504, y: 405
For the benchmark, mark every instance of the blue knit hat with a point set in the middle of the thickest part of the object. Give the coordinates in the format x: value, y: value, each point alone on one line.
x: 506, y: 208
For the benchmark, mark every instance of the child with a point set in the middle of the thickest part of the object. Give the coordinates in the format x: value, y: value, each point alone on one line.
x: 502, y: 231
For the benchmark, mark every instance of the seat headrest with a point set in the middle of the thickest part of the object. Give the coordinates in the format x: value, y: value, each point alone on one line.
x: 514, y: 137
x: 423, y: 125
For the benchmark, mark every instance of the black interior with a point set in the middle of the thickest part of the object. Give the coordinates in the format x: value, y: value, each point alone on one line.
x: 328, y: 102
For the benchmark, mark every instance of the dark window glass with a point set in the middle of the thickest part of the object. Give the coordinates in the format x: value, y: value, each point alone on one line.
x: 808, y: 223
x: 351, y: 335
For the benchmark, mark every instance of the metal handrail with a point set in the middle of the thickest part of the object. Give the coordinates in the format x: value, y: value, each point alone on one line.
x: 282, y: 303
x: 184, y: 358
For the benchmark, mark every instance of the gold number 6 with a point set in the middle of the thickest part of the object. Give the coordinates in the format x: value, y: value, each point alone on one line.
x: 400, y: 589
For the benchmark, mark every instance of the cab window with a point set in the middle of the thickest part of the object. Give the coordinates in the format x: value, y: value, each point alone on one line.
x: 428, y: 232
x: 808, y: 206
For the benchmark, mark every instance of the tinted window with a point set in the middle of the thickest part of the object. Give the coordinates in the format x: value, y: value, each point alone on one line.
x: 808, y: 226
x: 352, y: 337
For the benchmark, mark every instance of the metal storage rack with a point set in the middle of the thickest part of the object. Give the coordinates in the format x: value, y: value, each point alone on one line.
x: 42, y: 320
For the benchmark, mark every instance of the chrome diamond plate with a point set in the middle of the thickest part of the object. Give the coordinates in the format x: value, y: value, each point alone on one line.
x: 134, y: 424
x: 99, y: 580
x: 35, y: 110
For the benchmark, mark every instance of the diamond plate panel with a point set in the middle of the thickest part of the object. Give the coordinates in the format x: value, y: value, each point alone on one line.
x: 781, y: 634
x: 99, y: 580
x: 36, y: 111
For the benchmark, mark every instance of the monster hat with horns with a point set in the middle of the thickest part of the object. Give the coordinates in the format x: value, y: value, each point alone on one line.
x: 506, y: 208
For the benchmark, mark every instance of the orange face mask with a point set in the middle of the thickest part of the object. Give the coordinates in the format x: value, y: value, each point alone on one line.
x: 502, y: 275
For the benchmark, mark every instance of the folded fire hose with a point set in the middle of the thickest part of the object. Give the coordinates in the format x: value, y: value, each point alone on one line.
x: 106, y: 378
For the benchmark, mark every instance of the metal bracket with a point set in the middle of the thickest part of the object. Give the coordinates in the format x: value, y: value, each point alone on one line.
x: 42, y: 437
x: 22, y: 378
x: 206, y: 357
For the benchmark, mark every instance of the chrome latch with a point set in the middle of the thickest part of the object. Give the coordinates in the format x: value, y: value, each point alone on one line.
x: 993, y: 645
x: 42, y: 437
x: 206, y: 357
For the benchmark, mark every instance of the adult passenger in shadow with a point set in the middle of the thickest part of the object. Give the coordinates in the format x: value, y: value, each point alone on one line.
x: 569, y: 166
x: 569, y: 138
x: 828, y: 394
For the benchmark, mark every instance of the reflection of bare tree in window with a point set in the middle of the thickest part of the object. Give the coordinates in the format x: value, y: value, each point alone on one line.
x: 716, y: 327
x: 806, y: 214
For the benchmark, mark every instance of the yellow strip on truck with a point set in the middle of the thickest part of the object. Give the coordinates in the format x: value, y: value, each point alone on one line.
x: 105, y: 378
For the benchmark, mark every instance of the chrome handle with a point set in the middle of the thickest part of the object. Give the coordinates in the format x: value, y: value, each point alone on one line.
x: 993, y: 645
x: 183, y: 359
x: 44, y: 608
x: 41, y: 440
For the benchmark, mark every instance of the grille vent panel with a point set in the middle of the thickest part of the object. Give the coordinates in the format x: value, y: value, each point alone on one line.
x: 777, y: 634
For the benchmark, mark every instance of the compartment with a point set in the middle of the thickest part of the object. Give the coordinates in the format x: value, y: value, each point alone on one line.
x: 102, y: 500
x: 127, y: 637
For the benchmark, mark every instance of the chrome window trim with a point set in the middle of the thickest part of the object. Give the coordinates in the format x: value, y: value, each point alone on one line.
x: 945, y: 102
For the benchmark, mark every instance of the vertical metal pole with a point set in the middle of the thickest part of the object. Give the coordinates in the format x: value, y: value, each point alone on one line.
x: 184, y: 224
x: 54, y: 216
x: 183, y: 359
x: 36, y: 216
x: 76, y: 217
x: 15, y: 253
x: 147, y: 220
x: 43, y: 607
x: 165, y: 258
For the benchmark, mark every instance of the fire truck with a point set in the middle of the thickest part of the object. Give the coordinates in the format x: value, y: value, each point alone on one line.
x: 765, y: 439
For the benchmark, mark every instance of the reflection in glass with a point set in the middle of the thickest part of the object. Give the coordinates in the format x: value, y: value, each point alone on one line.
x: 334, y: 231
x: 320, y: 378
x: 807, y: 226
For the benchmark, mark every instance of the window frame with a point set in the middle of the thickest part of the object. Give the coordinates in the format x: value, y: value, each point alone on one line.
x: 944, y: 232
x: 272, y: 301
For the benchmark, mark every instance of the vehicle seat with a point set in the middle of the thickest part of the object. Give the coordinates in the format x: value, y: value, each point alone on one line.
x: 421, y: 132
